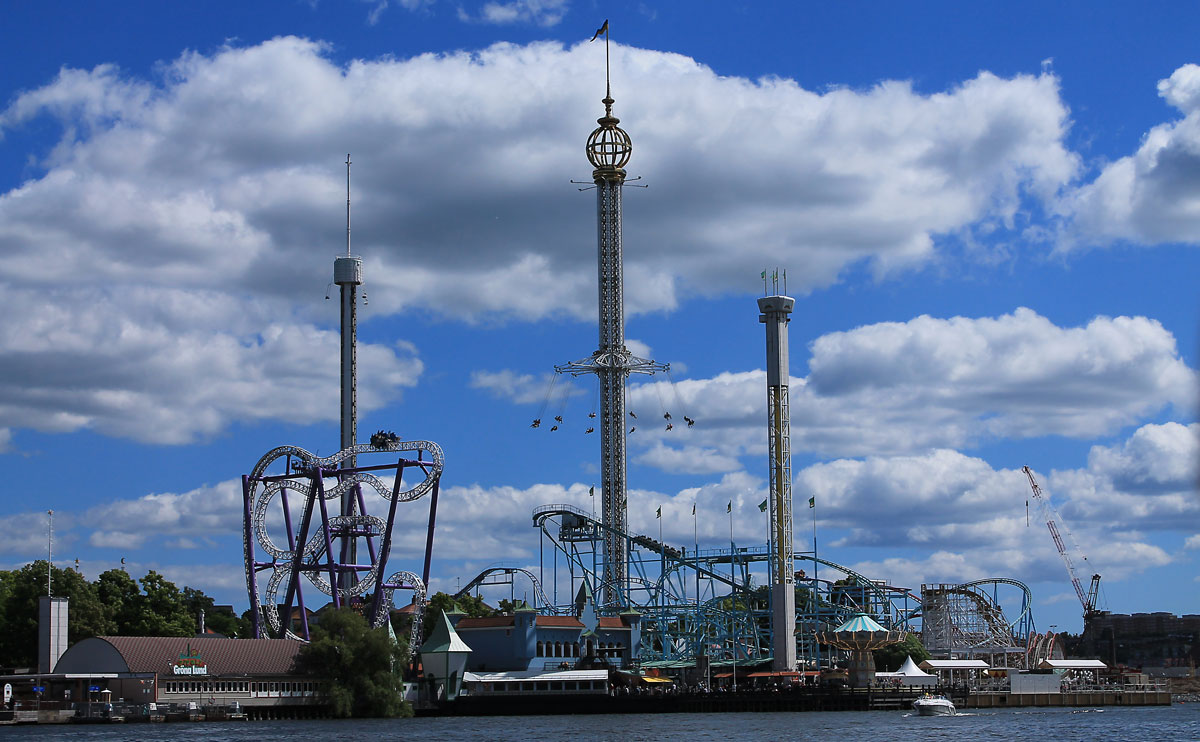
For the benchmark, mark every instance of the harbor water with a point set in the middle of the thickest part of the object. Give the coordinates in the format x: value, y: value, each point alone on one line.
x: 1178, y: 723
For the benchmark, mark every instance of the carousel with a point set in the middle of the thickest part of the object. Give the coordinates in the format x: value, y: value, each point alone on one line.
x: 860, y: 636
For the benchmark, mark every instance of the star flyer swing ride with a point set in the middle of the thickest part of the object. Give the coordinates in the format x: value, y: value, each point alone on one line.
x: 297, y: 490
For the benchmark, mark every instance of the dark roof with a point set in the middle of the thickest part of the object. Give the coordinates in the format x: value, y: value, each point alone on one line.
x: 220, y: 656
x: 490, y: 622
x: 566, y: 622
x: 611, y: 622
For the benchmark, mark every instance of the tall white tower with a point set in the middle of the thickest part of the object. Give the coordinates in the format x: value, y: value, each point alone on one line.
x: 608, y: 150
x: 775, y: 311
x: 348, y: 275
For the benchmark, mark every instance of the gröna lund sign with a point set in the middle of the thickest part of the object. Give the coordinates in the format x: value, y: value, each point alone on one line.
x: 189, y: 663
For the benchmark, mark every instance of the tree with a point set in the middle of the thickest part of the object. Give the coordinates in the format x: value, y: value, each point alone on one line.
x: 20, y: 590
x: 890, y: 658
x: 360, y: 666
x: 472, y: 605
x: 121, y: 598
x: 163, y: 611
x: 224, y: 621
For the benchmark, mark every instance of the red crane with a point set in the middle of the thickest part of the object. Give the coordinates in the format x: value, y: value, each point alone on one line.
x: 1086, y: 599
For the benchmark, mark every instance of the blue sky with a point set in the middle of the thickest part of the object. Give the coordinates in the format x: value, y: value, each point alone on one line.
x: 988, y: 215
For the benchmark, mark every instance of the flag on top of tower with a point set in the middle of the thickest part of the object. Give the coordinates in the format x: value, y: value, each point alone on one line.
x: 812, y: 501
x: 658, y: 513
x: 762, y: 506
x: 693, y: 508
x: 729, y: 507
x: 602, y: 29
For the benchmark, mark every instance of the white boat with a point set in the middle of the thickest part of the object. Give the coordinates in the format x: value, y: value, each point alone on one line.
x: 931, y: 705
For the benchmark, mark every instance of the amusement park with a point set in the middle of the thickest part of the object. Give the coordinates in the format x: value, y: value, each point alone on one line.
x: 609, y: 617
x: 725, y: 610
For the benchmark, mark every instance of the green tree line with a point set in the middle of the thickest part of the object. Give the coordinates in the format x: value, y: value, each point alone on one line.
x: 113, y: 605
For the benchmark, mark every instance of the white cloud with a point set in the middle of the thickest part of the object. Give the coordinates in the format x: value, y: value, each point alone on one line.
x: 1147, y: 482
x: 211, y: 191
x: 1193, y: 542
x: 518, y: 387
x: 544, y: 13
x: 117, y: 540
x: 209, y: 510
x: 1153, y: 195
x: 690, y: 459
x: 1155, y: 459
x: 168, y: 365
x: 27, y: 533
x: 897, y: 387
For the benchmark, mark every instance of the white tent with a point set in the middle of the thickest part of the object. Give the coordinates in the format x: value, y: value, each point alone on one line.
x: 908, y: 674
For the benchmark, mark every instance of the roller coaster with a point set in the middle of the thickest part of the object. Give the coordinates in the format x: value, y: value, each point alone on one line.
x: 706, y: 602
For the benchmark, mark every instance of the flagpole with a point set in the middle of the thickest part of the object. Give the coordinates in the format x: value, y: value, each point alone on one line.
x: 696, y: 555
x: 816, y: 593
x: 662, y: 573
x: 732, y: 597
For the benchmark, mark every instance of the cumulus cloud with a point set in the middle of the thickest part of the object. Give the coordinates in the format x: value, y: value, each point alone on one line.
x: 1154, y: 460
x: 1153, y: 195
x: 897, y: 387
x: 212, y: 189
x: 509, y: 384
x: 1146, y: 482
x: 26, y: 533
x: 545, y: 13
x: 168, y: 366
x: 208, y: 510
x: 948, y: 517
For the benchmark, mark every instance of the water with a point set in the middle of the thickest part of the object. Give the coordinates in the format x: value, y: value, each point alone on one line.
x: 1179, y: 723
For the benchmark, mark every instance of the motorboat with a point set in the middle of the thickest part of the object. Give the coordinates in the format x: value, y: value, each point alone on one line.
x: 931, y: 705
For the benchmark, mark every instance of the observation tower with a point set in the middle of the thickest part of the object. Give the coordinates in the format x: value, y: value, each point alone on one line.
x: 608, y: 150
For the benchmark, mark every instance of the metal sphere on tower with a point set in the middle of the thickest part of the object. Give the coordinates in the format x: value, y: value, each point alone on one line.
x: 609, y: 147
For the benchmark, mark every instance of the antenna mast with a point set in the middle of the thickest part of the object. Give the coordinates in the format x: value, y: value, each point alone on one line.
x: 347, y: 204
x: 49, y: 552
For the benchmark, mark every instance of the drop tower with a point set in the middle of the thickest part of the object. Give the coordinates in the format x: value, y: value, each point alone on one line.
x: 775, y: 311
x: 348, y: 275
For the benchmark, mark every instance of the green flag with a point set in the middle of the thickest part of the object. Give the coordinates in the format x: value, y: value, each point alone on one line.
x: 812, y: 501
x: 693, y: 508
x: 762, y: 506
x: 592, y: 491
x: 764, y: 275
x: 729, y: 507
x: 658, y: 513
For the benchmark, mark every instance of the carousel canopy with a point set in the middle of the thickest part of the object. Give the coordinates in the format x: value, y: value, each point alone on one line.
x: 861, y: 622
x: 861, y: 633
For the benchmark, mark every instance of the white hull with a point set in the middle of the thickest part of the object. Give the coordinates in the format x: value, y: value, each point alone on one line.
x: 934, y: 706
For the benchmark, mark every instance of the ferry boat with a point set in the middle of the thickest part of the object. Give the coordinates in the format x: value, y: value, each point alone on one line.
x: 931, y: 705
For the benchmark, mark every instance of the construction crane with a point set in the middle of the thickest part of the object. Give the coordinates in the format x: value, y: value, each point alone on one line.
x: 1087, y: 599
